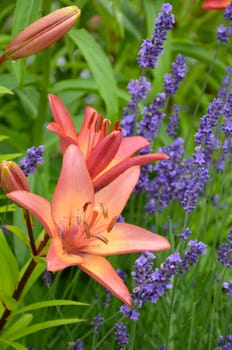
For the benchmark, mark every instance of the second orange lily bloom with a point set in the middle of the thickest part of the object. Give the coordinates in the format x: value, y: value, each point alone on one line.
x: 215, y: 4
x: 82, y: 225
x: 107, y: 154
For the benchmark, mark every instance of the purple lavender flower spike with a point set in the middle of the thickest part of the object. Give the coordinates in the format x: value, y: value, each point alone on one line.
x: 172, y: 80
x: 225, y: 342
x: 225, y: 251
x: 228, y: 13
x: 138, y: 91
x: 228, y: 287
x: 223, y: 33
x: 153, y: 116
x: 191, y: 256
x: 185, y: 234
x: 97, y: 323
x: 33, y: 158
x: 152, y: 48
x: 193, y: 189
x: 121, y: 334
x: 173, y: 122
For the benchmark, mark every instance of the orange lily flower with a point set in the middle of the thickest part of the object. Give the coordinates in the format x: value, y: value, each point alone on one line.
x: 215, y: 4
x: 107, y: 154
x: 82, y: 225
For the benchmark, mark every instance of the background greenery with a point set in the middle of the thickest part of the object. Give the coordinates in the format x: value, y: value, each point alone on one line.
x: 92, y: 65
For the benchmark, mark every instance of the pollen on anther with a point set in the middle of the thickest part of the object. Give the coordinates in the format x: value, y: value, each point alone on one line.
x: 111, y: 224
x: 85, y: 206
x: 104, y: 210
x: 87, y: 230
x: 91, y: 120
x: 98, y: 123
x: 101, y: 238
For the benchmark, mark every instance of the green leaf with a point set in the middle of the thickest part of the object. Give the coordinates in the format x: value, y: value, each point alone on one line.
x: 9, y: 302
x: 7, y: 208
x: 40, y: 326
x: 9, y: 156
x: 100, y: 66
x: 38, y: 270
x: 5, y: 90
x: 14, y: 345
x: 20, y: 234
x: 26, y: 11
x: 9, y: 268
x: 88, y: 85
x: 21, y: 323
x: 49, y: 303
x: 3, y: 137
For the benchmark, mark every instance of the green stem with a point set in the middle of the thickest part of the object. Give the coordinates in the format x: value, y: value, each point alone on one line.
x: 27, y: 217
x: 169, y: 325
x: 23, y: 281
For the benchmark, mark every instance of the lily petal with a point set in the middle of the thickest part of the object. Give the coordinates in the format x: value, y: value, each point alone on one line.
x: 119, y: 168
x: 125, y: 238
x: 131, y: 145
x: 102, y: 154
x: 84, y: 133
x: 64, y: 125
x: 102, y: 271
x: 116, y: 194
x: 38, y: 206
x: 215, y: 4
x: 58, y: 259
x: 73, y: 191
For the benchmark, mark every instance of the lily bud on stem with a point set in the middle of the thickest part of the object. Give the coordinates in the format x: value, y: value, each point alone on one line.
x: 42, y: 33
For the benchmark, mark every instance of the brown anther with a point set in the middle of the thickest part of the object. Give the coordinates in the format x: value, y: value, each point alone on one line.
x: 106, y: 127
x: 98, y: 123
x: 61, y: 234
x: 85, y: 206
x: 104, y: 210
x: 87, y: 230
x: 111, y: 224
x: 101, y: 238
x: 117, y: 126
x: 91, y: 121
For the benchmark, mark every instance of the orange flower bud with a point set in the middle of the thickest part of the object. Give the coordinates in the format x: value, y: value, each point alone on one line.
x: 12, y: 178
x: 42, y: 33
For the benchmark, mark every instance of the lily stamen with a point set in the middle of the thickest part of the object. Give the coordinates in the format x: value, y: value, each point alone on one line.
x: 101, y: 238
x: 87, y: 229
x: 98, y: 123
x: 104, y: 210
x: 111, y: 224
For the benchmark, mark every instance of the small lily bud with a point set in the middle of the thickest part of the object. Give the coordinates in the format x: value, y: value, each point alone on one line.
x: 12, y: 177
x: 42, y: 33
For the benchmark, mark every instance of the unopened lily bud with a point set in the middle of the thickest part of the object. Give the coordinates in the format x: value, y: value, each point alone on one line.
x: 42, y: 33
x: 12, y: 178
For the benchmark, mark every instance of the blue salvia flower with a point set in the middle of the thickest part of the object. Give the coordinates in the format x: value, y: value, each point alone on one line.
x: 33, y: 158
